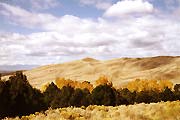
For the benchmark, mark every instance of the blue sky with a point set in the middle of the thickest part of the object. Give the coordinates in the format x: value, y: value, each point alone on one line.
x: 39, y: 32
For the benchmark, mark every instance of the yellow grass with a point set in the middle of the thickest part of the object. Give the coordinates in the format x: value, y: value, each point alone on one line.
x: 153, y: 111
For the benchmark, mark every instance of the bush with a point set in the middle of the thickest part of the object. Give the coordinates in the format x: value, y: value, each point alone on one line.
x: 128, y: 96
x: 103, y: 95
x: 177, y: 91
x: 147, y: 97
x: 51, y: 92
x: 18, y: 97
x: 167, y: 95
x: 80, y: 98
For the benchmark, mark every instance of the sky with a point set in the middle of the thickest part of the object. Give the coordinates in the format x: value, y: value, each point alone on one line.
x: 40, y: 32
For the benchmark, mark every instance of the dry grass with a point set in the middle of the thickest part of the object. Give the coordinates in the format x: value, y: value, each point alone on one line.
x: 153, y: 111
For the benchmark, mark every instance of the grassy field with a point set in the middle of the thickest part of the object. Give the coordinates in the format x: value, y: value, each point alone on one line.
x: 153, y: 111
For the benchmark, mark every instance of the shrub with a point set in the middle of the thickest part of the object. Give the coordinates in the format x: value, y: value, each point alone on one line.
x: 167, y: 95
x: 80, y: 98
x: 127, y: 96
x: 147, y: 97
x: 177, y: 91
x: 51, y: 92
x: 19, y: 98
x: 103, y: 95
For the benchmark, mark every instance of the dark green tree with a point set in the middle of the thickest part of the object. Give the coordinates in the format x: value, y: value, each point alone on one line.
x: 80, y: 97
x: 177, y: 91
x: 167, y: 95
x: 127, y: 96
x: 51, y: 93
x: 177, y: 88
x: 4, y: 99
x: 147, y: 96
x: 19, y: 98
x: 103, y: 95
x: 120, y: 100
x: 63, y: 99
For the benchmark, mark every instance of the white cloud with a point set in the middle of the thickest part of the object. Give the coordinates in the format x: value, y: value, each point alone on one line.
x: 69, y: 37
x: 129, y: 7
x: 35, y: 5
x: 44, y: 4
x: 24, y: 17
x: 99, y: 4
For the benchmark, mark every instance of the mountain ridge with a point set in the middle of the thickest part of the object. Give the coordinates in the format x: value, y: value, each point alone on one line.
x: 119, y: 71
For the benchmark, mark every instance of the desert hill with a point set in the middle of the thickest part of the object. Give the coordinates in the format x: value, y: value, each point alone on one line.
x: 119, y: 71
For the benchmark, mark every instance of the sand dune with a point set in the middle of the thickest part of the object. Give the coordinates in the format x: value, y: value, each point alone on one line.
x: 119, y: 71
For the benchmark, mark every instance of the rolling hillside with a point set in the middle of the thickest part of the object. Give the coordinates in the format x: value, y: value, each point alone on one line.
x: 119, y: 71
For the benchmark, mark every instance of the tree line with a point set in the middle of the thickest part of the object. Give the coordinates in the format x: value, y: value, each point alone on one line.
x: 19, y: 98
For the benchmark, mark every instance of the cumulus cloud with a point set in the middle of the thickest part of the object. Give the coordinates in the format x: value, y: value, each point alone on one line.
x: 166, y: 6
x: 129, y: 7
x: 34, y: 5
x: 44, y: 4
x: 24, y: 17
x: 99, y: 4
x: 70, y: 37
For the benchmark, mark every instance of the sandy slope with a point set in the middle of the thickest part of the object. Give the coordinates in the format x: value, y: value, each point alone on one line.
x: 119, y: 71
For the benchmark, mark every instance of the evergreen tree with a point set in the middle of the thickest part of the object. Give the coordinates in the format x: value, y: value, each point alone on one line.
x: 80, y: 97
x: 167, y: 95
x: 177, y: 91
x: 50, y: 94
x: 120, y: 100
x: 128, y: 96
x: 19, y: 98
x: 147, y: 96
x: 103, y: 95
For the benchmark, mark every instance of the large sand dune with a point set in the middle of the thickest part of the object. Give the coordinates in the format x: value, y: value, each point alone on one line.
x: 119, y: 71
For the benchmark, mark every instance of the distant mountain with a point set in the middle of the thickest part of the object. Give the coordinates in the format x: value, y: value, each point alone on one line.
x: 119, y: 71
x: 7, y: 68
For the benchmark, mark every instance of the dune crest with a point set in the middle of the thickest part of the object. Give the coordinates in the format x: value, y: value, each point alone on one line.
x: 88, y: 59
x: 119, y: 71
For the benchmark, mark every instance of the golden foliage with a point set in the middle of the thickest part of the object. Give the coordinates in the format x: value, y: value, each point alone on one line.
x: 165, y: 83
x: 142, y: 85
x: 103, y: 80
x: 43, y: 87
x: 136, y: 85
x: 60, y: 82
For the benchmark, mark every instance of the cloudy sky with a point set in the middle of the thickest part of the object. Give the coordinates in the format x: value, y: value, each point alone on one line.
x: 39, y: 32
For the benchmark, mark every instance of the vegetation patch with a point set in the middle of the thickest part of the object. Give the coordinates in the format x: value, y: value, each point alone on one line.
x: 19, y: 98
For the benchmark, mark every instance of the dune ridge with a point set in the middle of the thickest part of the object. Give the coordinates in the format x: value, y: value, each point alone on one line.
x: 119, y: 71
